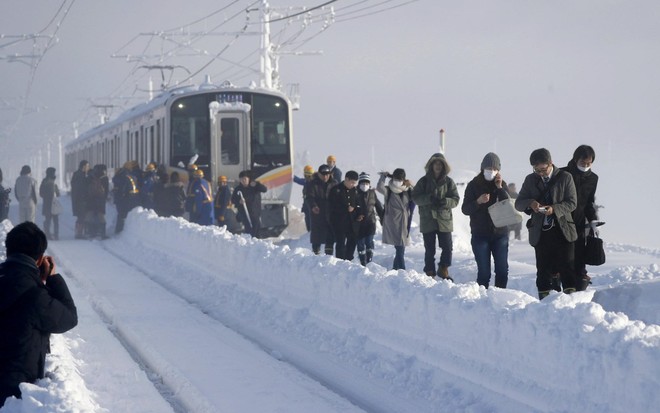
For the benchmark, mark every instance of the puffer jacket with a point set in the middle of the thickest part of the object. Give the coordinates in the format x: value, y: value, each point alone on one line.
x: 564, y: 201
x: 436, y: 198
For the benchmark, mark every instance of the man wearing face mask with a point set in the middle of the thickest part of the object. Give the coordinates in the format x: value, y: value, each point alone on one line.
x: 370, y: 209
x: 487, y: 240
x: 548, y: 195
x: 585, y: 186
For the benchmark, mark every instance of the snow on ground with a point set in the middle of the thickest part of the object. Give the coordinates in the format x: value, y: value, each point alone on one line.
x: 177, y: 317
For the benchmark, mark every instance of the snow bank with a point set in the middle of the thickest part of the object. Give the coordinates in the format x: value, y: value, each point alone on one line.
x: 403, y: 330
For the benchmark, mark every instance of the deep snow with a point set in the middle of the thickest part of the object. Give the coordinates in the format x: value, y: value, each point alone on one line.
x: 177, y: 317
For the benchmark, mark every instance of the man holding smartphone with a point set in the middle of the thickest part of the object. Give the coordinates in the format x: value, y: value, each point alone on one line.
x: 34, y: 302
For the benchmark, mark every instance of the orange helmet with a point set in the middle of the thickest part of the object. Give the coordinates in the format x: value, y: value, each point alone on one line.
x: 222, y: 178
x: 198, y: 173
x: 192, y: 167
x: 308, y: 170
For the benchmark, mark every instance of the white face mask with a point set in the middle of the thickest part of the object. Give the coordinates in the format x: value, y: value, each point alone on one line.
x: 583, y: 168
x: 364, y: 187
x: 489, y: 174
x: 397, y: 183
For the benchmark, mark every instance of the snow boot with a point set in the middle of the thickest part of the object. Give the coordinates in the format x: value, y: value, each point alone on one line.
x: 443, y: 272
x: 363, y: 258
x: 370, y: 255
x: 583, y: 282
x: 430, y: 273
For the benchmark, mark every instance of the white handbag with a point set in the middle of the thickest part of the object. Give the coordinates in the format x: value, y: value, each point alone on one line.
x: 503, y: 213
x: 56, y: 206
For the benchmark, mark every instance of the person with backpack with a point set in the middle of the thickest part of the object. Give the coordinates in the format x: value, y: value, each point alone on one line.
x: 397, y: 218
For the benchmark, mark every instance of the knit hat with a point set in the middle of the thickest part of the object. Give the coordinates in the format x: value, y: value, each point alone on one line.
x: 331, y: 158
x: 364, y: 177
x: 491, y: 161
x: 351, y: 176
x: 399, y: 174
x: 324, y: 169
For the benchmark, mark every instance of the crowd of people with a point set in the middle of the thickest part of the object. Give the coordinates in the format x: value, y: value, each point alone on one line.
x: 341, y: 212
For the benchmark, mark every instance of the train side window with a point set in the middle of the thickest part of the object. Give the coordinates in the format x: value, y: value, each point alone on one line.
x: 229, y: 143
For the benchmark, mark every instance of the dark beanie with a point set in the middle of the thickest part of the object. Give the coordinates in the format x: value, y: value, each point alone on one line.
x: 351, y: 176
x: 540, y: 156
x: 491, y: 161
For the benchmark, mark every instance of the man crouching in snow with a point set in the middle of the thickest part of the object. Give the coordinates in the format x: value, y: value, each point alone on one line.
x: 34, y: 302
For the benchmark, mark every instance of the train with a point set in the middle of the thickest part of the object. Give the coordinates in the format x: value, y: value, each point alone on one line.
x: 224, y: 128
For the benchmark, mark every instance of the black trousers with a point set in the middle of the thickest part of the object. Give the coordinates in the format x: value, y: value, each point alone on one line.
x: 554, y: 255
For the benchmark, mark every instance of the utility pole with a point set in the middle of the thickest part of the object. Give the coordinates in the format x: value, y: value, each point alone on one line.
x: 442, y: 141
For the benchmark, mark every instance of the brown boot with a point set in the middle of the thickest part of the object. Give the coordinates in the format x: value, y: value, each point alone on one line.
x: 443, y: 272
x: 430, y: 273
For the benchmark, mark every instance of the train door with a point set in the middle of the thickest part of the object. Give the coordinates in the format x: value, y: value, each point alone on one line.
x: 230, y: 143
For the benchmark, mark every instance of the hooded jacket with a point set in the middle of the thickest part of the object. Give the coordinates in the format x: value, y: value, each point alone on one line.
x: 436, y: 198
x: 29, y: 312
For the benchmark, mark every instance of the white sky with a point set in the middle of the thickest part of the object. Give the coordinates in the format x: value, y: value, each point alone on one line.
x: 503, y: 76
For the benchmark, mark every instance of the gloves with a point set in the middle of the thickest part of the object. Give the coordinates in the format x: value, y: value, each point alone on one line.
x: 594, y: 228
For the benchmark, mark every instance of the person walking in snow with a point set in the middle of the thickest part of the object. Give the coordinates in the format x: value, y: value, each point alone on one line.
x: 436, y: 195
x: 308, y: 172
x: 247, y: 195
x: 548, y: 195
x: 26, y: 194
x: 317, y: 191
x: 4, y: 200
x: 585, y: 212
x: 79, y: 197
x: 202, y: 196
x: 399, y: 208
x: 48, y: 190
x: 343, y: 211
x: 487, y: 240
x: 331, y: 161
x: 370, y: 210
x: 34, y: 303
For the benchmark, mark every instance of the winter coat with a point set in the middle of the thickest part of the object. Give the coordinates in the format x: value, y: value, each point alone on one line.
x: 480, y: 221
x: 336, y: 174
x: 79, y: 193
x: 203, y: 196
x: 222, y: 202
x: 29, y: 312
x: 585, y: 187
x: 147, y: 187
x: 127, y: 191
x: 174, y: 199
x: 371, y: 209
x: 398, y: 214
x: 25, y: 190
x: 4, y: 202
x: 435, y: 198
x: 317, y: 193
x: 339, y: 200
x: 564, y: 201
x: 47, y: 191
x: 96, y: 195
x: 252, y: 195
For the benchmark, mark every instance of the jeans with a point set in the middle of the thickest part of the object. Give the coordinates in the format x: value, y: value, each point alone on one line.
x: 365, y: 245
x: 497, y: 245
x: 399, y: 262
x: 446, y: 245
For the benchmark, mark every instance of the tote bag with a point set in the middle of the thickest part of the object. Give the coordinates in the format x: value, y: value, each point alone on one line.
x: 56, y: 206
x: 594, y: 254
x: 503, y: 213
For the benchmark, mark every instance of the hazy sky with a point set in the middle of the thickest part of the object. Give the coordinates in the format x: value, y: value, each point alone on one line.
x: 503, y: 76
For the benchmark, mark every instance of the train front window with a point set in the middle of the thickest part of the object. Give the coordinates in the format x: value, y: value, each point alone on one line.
x: 190, y: 129
x: 270, y: 131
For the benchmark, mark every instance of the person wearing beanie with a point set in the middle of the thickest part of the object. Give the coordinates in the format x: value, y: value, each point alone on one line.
x: 343, y: 212
x: 436, y: 195
x: 585, y: 213
x: 370, y: 210
x: 481, y: 192
x: 48, y: 191
x: 26, y: 194
x: 548, y: 195
x: 332, y: 164
x: 316, y: 200
x: 397, y: 217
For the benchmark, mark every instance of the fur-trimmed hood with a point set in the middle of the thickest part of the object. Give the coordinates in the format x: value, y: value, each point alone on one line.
x: 433, y: 158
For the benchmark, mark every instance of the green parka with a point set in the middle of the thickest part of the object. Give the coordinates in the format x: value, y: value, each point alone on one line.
x: 436, y: 198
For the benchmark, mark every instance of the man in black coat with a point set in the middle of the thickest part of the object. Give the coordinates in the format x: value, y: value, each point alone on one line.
x: 34, y: 302
x: 585, y: 213
x: 247, y: 198
x: 344, y: 210
x: 316, y: 198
